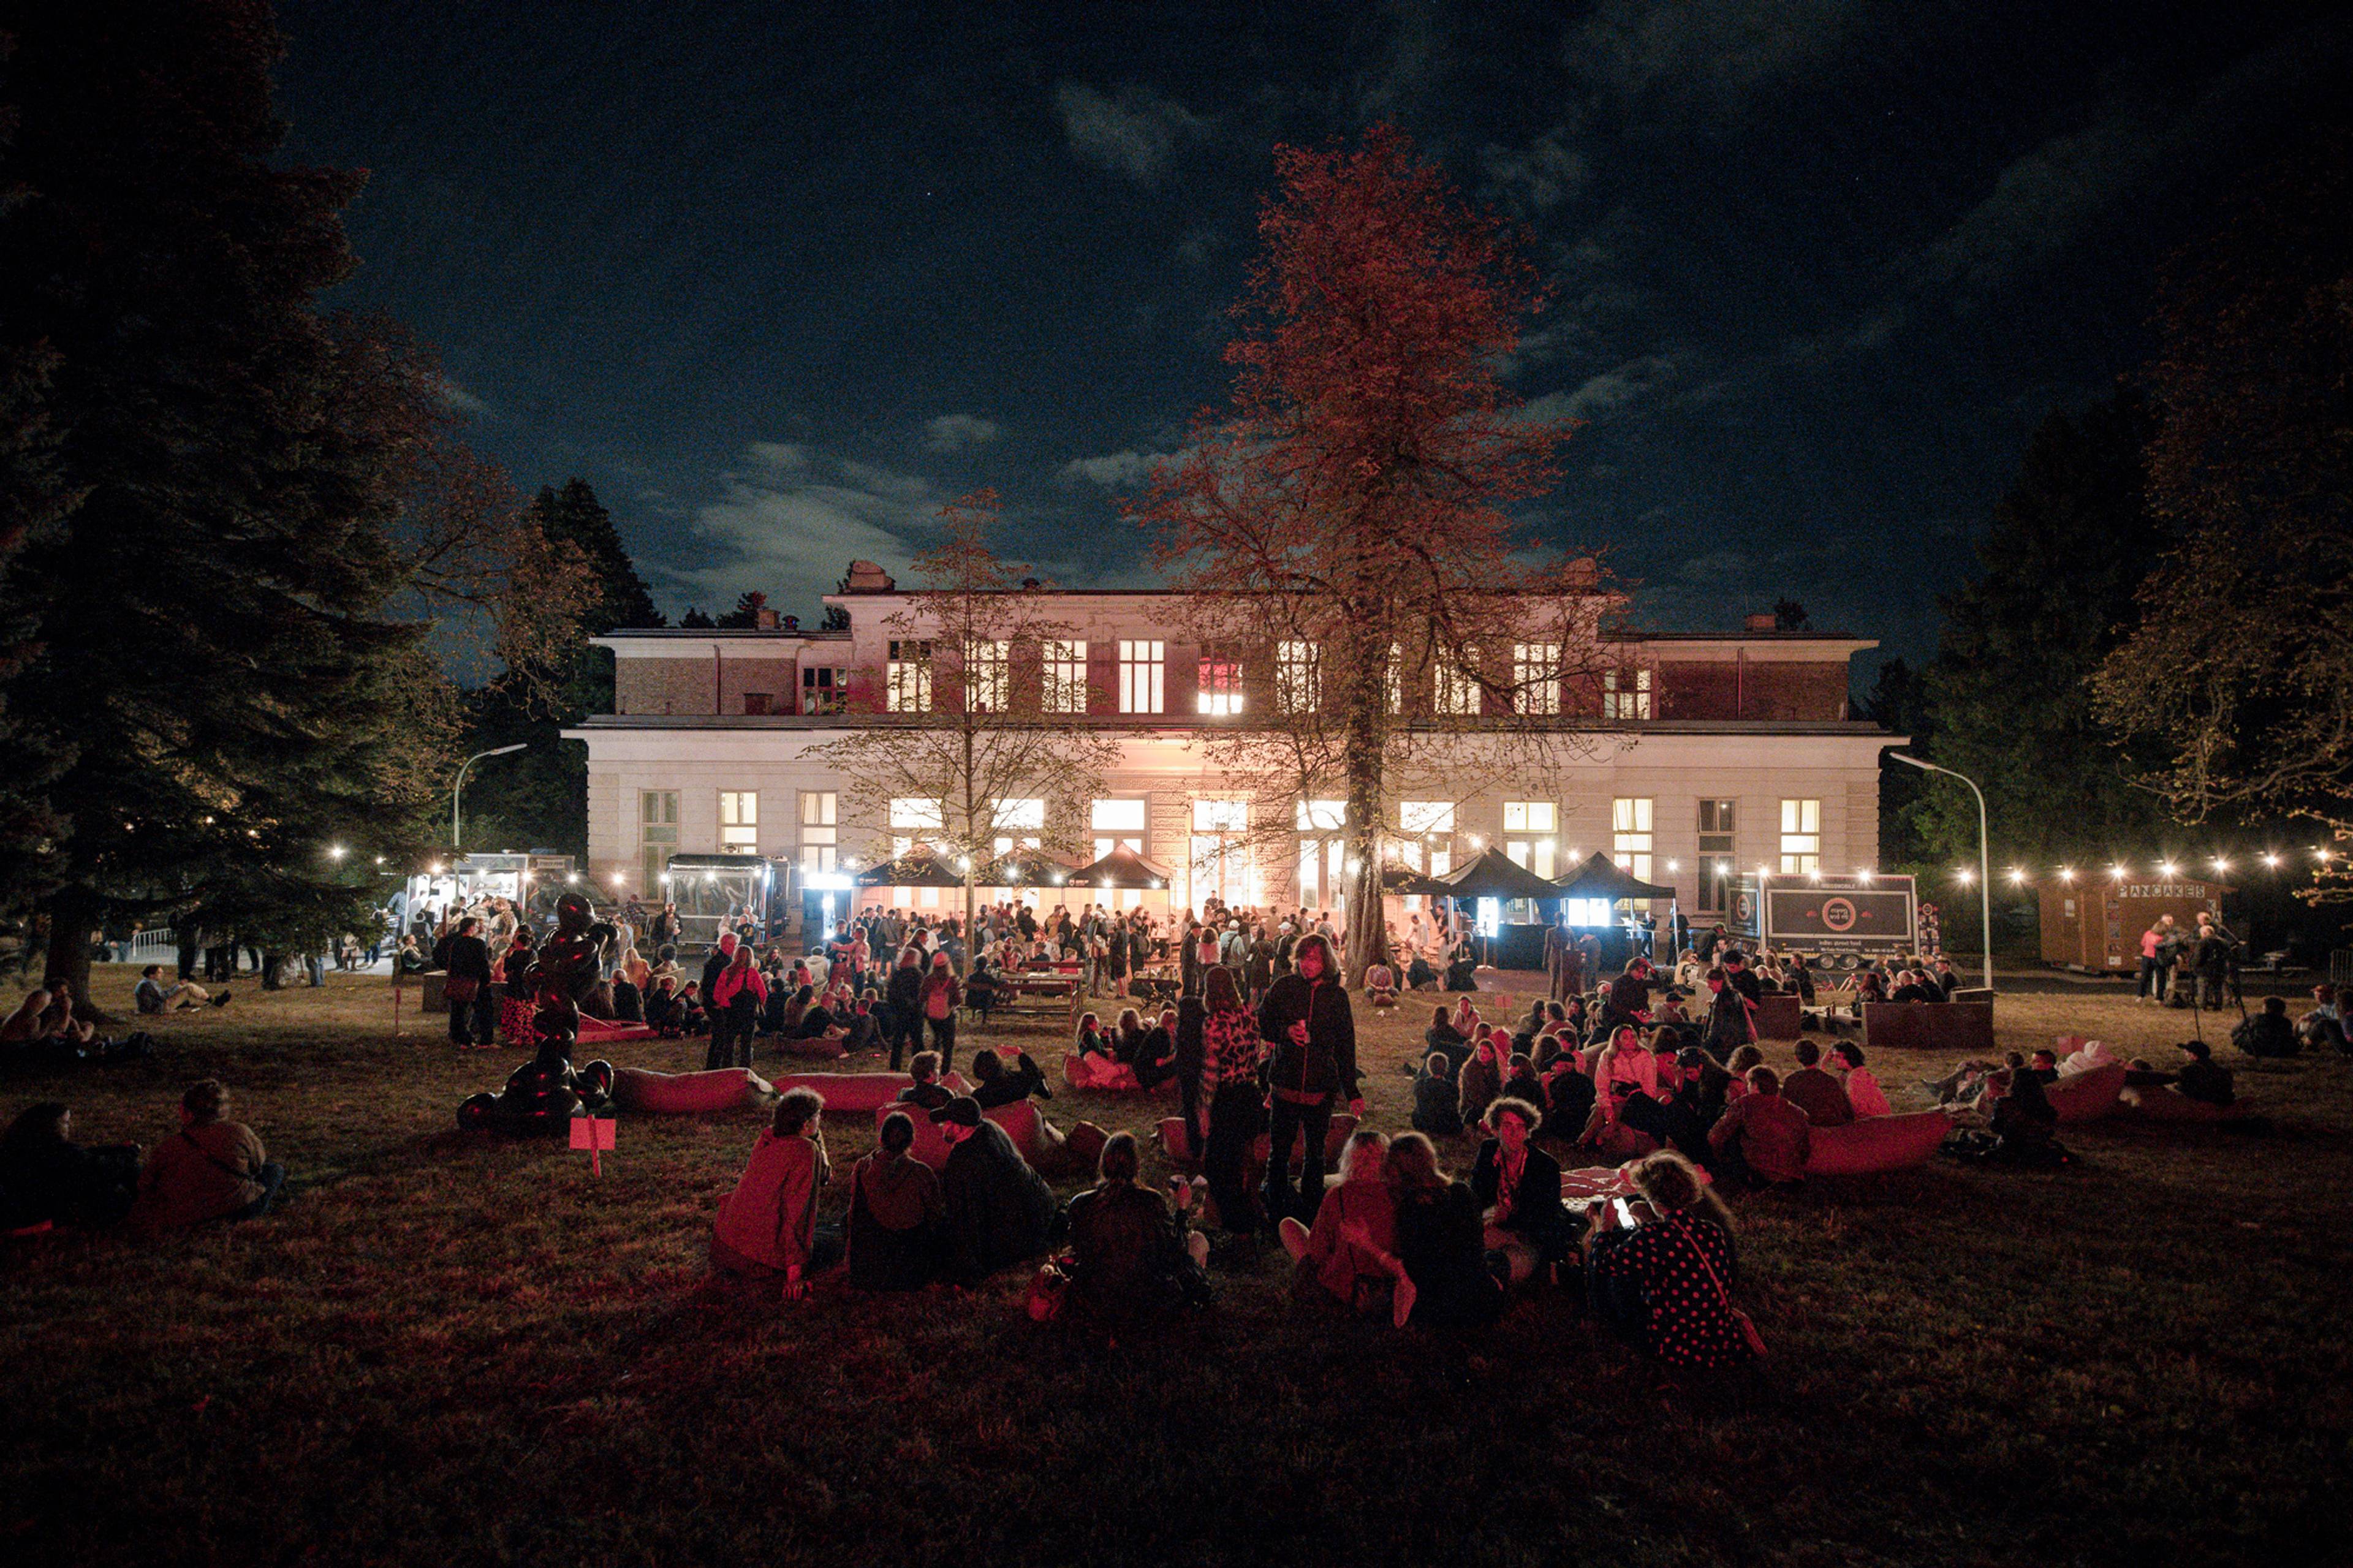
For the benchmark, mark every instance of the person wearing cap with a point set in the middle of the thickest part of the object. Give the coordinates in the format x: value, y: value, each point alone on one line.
x: 997, y: 1210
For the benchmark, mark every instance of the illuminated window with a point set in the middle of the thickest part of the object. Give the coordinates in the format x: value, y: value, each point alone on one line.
x: 1066, y: 676
x: 1416, y: 817
x: 1801, y: 835
x: 1222, y: 686
x: 909, y: 811
x: 739, y: 820
x: 1298, y: 678
x: 1321, y: 816
x: 820, y: 829
x: 988, y: 675
x: 1626, y: 694
x: 1535, y: 675
x: 909, y: 688
x: 1531, y: 816
x: 1631, y: 837
x: 1142, y: 672
x: 1118, y: 825
x: 1456, y: 692
x: 1221, y: 817
x: 1589, y: 911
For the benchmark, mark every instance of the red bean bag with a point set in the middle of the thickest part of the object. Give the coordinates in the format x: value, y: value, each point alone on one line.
x: 856, y: 1093
x: 817, y: 1048
x: 1869, y: 1144
x: 2086, y: 1096
x: 2163, y: 1102
x: 1019, y: 1120
x: 685, y: 1093
x: 604, y: 1031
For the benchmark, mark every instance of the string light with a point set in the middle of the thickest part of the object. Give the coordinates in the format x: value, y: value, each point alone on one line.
x: 1673, y: 866
x: 2017, y: 874
x: 2270, y: 861
x: 1963, y: 875
x: 2165, y: 869
x: 2118, y: 872
x: 2221, y: 864
x: 2066, y: 873
x: 1862, y: 874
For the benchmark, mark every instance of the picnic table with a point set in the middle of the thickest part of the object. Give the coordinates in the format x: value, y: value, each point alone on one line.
x: 1038, y: 993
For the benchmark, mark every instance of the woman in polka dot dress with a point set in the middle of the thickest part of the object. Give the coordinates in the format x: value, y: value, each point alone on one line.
x: 1666, y: 1282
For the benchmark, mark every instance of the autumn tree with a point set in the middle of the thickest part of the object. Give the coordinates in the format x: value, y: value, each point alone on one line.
x: 1345, y: 519
x: 967, y: 720
x: 2239, y: 670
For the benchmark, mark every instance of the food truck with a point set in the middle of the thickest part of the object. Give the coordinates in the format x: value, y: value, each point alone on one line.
x: 1839, y: 920
x: 713, y: 892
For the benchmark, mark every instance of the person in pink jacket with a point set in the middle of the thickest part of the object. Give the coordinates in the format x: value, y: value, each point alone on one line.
x: 766, y: 1228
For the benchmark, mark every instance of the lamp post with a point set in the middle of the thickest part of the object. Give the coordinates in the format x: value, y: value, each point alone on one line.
x: 458, y: 788
x: 1985, y: 883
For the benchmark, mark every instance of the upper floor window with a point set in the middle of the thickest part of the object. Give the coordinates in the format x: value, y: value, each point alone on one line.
x: 1625, y: 694
x: 1416, y: 817
x: 988, y: 675
x: 1065, y: 673
x: 1632, y: 838
x: 1298, y: 678
x: 739, y: 820
x: 1322, y: 815
x: 1222, y: 686
x: 1118, y: 825
x: 1801, y: 835
x: 822, y: 689
x: 1531, y: 816
x: 1143, y: 676
x: 1456, y: 692
x: 910, y: 676
x: 1536, y: 675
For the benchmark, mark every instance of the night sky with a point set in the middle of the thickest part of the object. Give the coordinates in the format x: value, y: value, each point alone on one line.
x: 778, y: 280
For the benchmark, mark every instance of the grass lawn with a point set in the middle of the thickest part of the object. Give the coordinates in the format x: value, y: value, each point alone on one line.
x: 453, y: 1348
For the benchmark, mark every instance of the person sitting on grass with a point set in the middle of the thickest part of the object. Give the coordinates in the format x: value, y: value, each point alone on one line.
x: 1761, y: 1139
x: 1437, y: 1108
x: 892, y: 1236
x: 1132, y: 1255
x: 211, y: 1169
x: 2203, y: 1078
x: 2324, y: 1025
x: 1478, y: 1083
x: 1862, y: 1090
x: 1091, y: 1040
x: 1125, y: 1039
x: 2268, y: 1033
x: 997, y: 1210
x: 1973, y: 1082
x: 686, y: 1017
x: 1156, y: 1060
x: 862, y: 1029
x: 766, y: 1229
x: 1521, y: 1082
x: 48, y: 1178
x: 1001, y: 1085
x: 150, y: 996
x: 1567, y: 1099
x: 1607, y: 1135
x: 2024, y: 1124
x: 1666, y: 1281
x: 1816, y: 1093
x: 1441, y: 1274
x: 925, y: 1093
x: 1518, y: 1187
x: 1325, y: 1254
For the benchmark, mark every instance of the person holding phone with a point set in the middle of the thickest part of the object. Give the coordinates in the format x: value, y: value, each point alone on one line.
x: 1306, y: 1018
x: 1661, y: 1270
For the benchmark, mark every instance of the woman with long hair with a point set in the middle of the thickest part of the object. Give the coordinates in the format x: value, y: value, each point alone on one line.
x: 1231, y: 1056
x: 1666, y: 1280
x: 1443, y: 1274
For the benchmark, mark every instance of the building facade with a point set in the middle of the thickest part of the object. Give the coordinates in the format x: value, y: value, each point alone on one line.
x: 1687, y: 758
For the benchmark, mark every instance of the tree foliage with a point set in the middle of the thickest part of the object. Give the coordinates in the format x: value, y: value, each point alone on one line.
x: 2238, y: 672
x: 1354, y: 496
x: 982, y: 735
x: 2071, y: 542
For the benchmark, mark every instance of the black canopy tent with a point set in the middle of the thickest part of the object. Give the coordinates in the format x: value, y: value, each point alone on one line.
x: 1403, y: 881
x: 916, y: 868
x: 1121, y: 868
x: 1599, y: 876
x: 1025, y: 868
x: 1495, y: 875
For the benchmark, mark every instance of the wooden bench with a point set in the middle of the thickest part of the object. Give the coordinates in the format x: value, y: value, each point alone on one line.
x: 1964, y: 1028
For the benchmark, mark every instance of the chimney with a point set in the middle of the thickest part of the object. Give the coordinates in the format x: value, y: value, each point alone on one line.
x: 1030, y: 584
x: 866, y: 578
x: 1762, y: 622
x: 791, y: 624
x: 766, y: 619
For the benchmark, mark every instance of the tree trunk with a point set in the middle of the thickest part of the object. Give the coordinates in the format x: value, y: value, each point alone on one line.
x: 1367, y: 942
x: 73, y: 914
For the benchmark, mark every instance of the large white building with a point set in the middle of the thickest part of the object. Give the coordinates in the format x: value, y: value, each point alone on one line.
x: 1703, y: 755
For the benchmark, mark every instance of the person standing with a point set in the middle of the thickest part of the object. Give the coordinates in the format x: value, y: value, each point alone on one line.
x: 1306, y: 1018
x: 722, y: 1051
x: 465, y: 961
x: 735, y: 998
x: 1560, y: 947
x: 903, y: 1003
x: 2153, y: 966
x: 937, y: 999
x: 1232, y: 1052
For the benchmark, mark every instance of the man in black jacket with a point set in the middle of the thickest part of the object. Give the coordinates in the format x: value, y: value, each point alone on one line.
x: 1306, y: 1018
x: 464, y: 956
x: 997, y: 1210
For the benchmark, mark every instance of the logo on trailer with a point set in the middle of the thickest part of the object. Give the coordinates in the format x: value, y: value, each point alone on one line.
x: 1838, y: 914
x: 1743, y: 906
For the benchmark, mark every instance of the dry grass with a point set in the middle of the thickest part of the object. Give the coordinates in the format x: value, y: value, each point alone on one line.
x: 461, y: 1350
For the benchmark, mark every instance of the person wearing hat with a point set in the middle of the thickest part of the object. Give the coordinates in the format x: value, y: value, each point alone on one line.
x: 997, y: 1210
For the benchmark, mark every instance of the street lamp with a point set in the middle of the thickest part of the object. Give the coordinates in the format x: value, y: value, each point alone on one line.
x: 456, y: 789
x: 1985, y: 883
